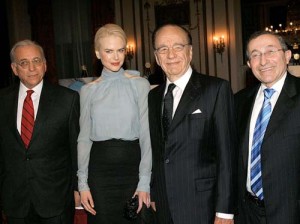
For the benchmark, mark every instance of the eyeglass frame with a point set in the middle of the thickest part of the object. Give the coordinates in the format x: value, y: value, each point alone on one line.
x: 267, y: 54
x: 37, y: 62
x: 181, y: 47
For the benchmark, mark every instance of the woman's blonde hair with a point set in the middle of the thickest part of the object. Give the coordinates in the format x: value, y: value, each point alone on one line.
x: 109, y: 30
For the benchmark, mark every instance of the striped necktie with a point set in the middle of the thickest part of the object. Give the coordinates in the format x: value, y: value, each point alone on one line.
x: 27, y: 121
x: 259, y: 132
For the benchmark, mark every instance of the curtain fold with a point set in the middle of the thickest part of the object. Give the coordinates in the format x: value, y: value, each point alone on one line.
x: 73, y: 38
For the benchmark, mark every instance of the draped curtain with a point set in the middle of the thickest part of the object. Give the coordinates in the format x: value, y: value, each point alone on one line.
x: 73, y: 38
x: 102, y: 12
x: 40, y: 12
x: 66, y: 31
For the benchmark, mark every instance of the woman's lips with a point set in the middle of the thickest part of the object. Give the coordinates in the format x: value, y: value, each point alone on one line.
x: 116, y: 63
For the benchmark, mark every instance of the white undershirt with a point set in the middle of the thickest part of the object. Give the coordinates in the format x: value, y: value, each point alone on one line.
x: 180, y: 86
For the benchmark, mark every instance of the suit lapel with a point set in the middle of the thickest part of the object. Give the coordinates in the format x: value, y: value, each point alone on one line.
x: 12, y: 105
x: 191, y: 92
x: 44, y: 108
x: 283, y: 105
x: 157, y: 105
x: 244, y: 124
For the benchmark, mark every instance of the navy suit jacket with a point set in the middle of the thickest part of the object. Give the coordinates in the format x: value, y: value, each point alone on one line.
x: 193, y: 171
x: 45, y: 173
x: 280, y: 153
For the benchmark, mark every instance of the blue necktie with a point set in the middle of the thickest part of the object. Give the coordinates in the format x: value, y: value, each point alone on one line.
x: 259, y: 132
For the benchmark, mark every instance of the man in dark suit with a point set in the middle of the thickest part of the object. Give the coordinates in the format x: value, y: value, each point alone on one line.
x: 194, y: 160
x: 269, y: 136
x: 37, y: 168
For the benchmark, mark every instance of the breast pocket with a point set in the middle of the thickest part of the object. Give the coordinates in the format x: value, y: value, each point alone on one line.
x: 196, y: 125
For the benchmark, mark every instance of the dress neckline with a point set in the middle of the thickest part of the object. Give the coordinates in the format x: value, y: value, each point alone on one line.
x: 109, y: 75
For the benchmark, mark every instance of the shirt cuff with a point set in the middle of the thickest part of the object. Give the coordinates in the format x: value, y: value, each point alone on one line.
x: 224, y: 215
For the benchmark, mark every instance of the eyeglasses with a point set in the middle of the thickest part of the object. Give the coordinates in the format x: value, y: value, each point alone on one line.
x: 37, y: 62
x: 175, y: 48
x: 268, y: 54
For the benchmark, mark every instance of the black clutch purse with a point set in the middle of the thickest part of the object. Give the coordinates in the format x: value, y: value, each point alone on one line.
x: 131, y: 207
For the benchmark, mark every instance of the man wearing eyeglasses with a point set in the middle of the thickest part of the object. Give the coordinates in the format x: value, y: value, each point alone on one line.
x: 268, y: 121
x: 39, y: 125
x: 193, y: 137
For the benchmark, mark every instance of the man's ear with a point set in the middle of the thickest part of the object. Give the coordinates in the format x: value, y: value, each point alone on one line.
x: 248, y: 63
x: 14, y: 68
x: 157, y: 59
x: 97, y: 54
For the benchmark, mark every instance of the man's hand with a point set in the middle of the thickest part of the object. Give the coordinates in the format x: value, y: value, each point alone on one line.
x: 223, y: 221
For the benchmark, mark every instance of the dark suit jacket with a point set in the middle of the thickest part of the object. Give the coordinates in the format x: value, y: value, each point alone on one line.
x: 44, y: 174
x: 280, y: 152
x: 193, y: 171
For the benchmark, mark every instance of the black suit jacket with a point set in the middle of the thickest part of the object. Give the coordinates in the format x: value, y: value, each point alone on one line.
x: 43, y: 174
x: 280, y: 153
x: 193, y: 172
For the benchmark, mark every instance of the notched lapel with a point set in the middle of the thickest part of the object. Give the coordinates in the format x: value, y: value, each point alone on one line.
x: 45, y: 105
x: 244, y: 125
x: 157, y: 105
x: 283, y: 106
x: 191, y: 93
x: 12, y: 105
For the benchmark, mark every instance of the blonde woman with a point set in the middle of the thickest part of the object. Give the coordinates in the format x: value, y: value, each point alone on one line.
x: 114, y: 153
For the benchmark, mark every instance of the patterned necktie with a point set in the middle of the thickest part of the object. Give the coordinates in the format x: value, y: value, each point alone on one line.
x: 27, y: 121
x: 168, y: 109
x: 259, y: 132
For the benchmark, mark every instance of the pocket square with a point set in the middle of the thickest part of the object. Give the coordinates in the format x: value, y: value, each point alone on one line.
x: 198, y: 111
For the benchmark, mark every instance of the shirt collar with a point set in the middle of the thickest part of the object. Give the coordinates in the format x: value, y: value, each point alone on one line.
x: 278, y: 85
x: 183, y: 80
x: 37, y: 89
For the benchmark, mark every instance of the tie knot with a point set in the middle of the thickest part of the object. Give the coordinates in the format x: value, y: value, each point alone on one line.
x: 29, y: 92
x: 268, y: 93
x: 171, y: 87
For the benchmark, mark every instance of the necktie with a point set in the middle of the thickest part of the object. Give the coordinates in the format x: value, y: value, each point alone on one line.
x: 27, y: 121
x: 259, y: 132
x: 168, y: 109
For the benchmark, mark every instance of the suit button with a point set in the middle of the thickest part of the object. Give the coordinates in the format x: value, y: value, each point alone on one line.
x: 167, y: 161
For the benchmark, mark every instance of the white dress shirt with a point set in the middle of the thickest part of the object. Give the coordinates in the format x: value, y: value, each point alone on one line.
x: 35, y: 100
x: 256, y: 109
x: 180, y: 86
